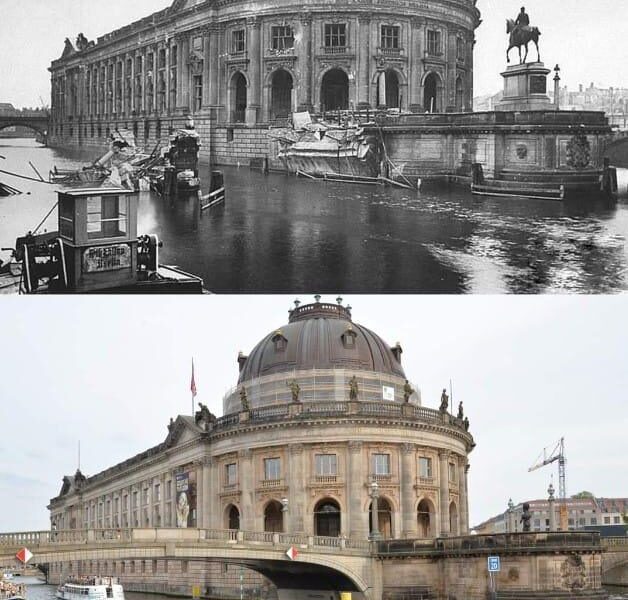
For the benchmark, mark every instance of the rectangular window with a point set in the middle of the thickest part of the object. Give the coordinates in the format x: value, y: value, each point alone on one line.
x: 425, y: 467
x: 66, y: 217
x: 157, y: 494
x: 282, y: 37
x: 381, y: 464
x: 231, y: 474
x: 607, y: 520
x: 198, y: 92
x: 390, y: 37
x: 272, y: 468
x: 616, y: 520
x: 433, y: 42
x: 106, y: 217
x: 238, y: 43
x: 570, y: 521
x: 335, y: 35
x: 134, y: 499
x: 452, y: 472
x: 168, y: 489
x: 593, y: 521
x: 145, y: 496
x: 537, y: 522
x: 326, y: 464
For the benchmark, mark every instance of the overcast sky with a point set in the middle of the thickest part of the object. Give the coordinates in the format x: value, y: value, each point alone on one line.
x: 111, y: 371
x: 585, y: 37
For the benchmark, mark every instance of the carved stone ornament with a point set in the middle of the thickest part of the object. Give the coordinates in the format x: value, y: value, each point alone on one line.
x: 522, y: 151
x: 573, y: 573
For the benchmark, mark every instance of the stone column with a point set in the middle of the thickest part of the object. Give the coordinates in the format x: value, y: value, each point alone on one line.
x: 408, y: 493
x: 381, y: 88
x: 449, y: 98
x: 296, y: 490
x: 364, y: 61
x: 415, y: 53
x: 180, y: 68
x: 215, y: 504
x: 253, y: 100
x: 247, y: 487
x: 207, y: 492
x: 155, y: 70
x: 304, y: 96
x: 213, y: 65
x: 443, y: 474
x: 200, y: 492
x: 463, y: 497
x: 358, y: 517
x: 162, y: 480
x: 184, y: 74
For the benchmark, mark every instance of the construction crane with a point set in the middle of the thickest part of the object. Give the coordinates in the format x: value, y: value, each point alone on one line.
x: 545, y: 458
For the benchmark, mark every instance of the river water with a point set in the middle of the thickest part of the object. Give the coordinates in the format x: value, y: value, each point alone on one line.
x: 36, y: 590
x: 277, y: 233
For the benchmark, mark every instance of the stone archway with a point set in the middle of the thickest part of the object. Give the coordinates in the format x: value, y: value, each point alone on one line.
x: 232, y: 517
x: 281, y: 94
x: 238, y: 93
x: 384, y: 513
x: 453, y: 519
x: 431, y: 93
x: 335, y: 90
x: 426, y: 517
x: 327, y: 518
x: 273, y: 517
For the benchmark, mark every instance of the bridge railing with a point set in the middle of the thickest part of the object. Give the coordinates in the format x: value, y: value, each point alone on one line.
x: 612, y: 542
x: 35, y: 539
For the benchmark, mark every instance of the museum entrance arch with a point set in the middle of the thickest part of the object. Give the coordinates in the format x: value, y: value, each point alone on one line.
x: 238, y: 98
x: 335, y: 90
x: 431, y: 93
x: 233, y: 517
x: 384, y: 512
x: 273, y: 517
x: 453, y: 519
x: 425, y: 517
x: 327, y: 518
x: 281, y: 95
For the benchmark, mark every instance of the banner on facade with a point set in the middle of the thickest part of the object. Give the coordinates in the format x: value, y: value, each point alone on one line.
x: 186, y: 499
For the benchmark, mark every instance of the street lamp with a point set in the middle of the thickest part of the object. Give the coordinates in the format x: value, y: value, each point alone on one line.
x: 557, y: 87
x: 284, y: 505
x: 374, y: 494
x: 511, y: 507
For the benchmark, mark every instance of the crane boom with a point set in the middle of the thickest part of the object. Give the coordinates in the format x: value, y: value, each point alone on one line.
x: 557, y: 454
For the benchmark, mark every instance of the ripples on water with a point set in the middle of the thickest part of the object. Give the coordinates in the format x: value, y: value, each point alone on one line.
x: 279, y: 233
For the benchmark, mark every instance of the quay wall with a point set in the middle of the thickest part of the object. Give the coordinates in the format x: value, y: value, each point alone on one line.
x: 418, y: 145
x: 172, y: 577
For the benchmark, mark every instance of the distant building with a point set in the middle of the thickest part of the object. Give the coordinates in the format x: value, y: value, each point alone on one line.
x: 582, y: 513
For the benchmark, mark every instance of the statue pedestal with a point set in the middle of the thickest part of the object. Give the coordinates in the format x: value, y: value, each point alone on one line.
x: 525, y: 88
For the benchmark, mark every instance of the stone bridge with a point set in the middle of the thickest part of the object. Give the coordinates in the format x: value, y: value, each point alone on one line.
x: 615, y: 561
x: 36, y: 120
x: 322, y: 563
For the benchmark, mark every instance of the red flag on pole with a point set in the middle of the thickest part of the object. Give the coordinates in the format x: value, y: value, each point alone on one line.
x: 193, y: 383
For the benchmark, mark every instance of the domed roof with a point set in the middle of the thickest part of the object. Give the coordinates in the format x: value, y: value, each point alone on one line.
x: 320, y: 336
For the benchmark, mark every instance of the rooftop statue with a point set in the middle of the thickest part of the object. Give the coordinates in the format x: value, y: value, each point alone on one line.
x: 244, y: 399
x: 294, y: 389
x: 444, y: 402
x: 353, y: 388
x: 521, y: 34
x: 407, y: 391
x: 460, y: 411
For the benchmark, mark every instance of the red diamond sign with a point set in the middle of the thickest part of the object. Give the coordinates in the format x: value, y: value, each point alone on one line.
x: 24, y: 555
x: 292, y: 553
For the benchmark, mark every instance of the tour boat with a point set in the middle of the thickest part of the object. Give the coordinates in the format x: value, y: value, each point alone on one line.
x: 94, y: 588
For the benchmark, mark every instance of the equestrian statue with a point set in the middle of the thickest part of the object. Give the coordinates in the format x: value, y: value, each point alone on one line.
x: 521, y: 34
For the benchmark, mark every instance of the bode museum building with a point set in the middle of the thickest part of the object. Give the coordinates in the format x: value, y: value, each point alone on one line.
x: 239, y: 66
x: 322, y: 429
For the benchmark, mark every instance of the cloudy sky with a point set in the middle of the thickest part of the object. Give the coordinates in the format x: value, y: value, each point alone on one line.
x: 583, y: 37
x: 110, y: 372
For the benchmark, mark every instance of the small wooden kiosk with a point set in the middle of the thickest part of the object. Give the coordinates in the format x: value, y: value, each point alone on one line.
x: 98, y: 228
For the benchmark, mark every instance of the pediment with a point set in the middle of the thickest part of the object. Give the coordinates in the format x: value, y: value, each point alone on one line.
x: 182, y: 430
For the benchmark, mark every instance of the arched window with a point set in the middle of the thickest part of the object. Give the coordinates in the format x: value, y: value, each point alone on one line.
x: 425, y: 517
x: 273, y: 517
x: 238, y: 98
x: 281, y: 95
x: 327, y: 518
x: 335, y: 90
x: 233, y: 517
x: 459, y: 94
x: 453, y: 519
x: 431, y: 93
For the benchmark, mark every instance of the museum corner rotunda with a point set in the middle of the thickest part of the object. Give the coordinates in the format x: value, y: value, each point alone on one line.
x: 323, y: 435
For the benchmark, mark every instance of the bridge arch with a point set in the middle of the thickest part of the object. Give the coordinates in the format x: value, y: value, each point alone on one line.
x: 36, y: 127
x: 616, y: 150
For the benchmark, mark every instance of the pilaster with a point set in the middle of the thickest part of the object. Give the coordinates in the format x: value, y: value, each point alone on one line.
x: 443, y: 476
x: 364, y: 60
x: 358, y: 517
x: 254, y: 52
x: 408, y: 494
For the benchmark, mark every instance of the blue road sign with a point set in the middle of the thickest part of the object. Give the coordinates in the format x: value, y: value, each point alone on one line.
x: 494, y: 565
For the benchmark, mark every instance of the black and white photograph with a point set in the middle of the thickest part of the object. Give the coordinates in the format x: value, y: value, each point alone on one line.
x: 386, y: 249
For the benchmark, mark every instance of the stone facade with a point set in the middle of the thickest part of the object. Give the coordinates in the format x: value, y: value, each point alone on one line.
x: 253, y: 62
x: 321, y: 422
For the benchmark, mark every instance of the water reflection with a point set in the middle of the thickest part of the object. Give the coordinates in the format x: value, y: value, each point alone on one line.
x: 277, y: 233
